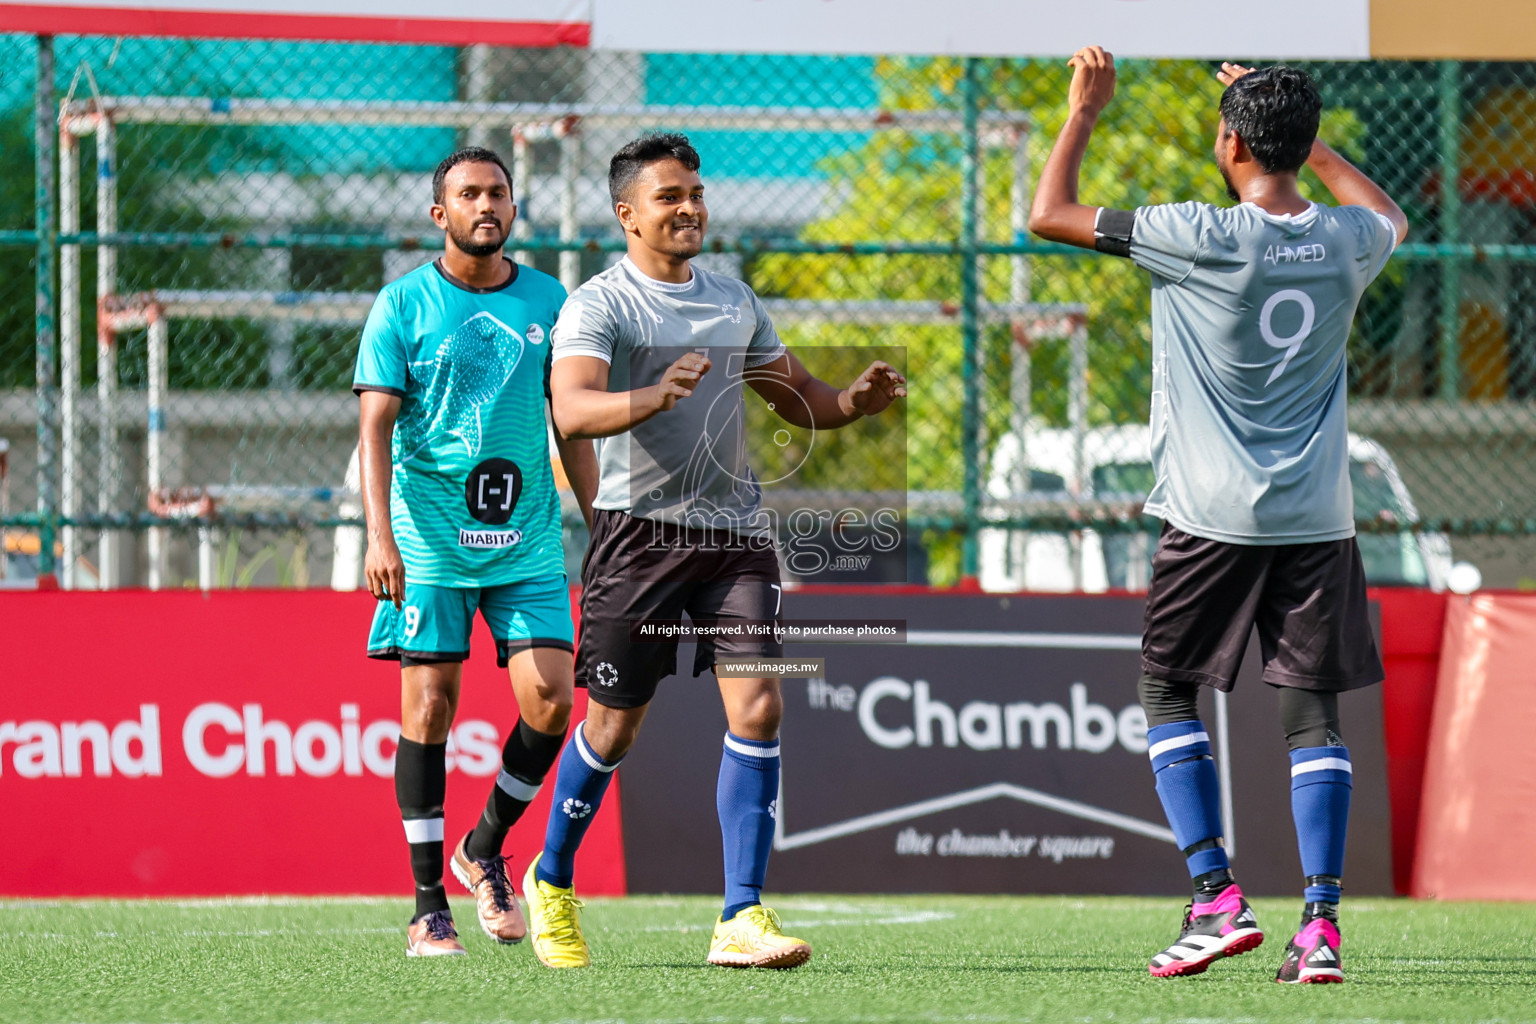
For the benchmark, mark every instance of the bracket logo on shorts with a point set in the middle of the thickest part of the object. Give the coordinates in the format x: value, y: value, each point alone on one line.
x: 607, y: 675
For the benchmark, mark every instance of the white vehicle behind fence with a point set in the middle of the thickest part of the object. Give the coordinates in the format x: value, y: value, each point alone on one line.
x: 1110, y: 472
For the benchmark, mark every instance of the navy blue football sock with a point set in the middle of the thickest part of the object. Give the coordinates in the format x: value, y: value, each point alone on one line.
x: 1189, y: 791
x: 580, y: 782
x: 1321, y: 782
x: 746, y: 798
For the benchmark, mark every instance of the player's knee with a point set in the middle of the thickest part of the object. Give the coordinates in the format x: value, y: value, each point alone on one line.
x: 1166, y: 701
x: 610, y: 732
x: 559, y: 706
x: 429, y: 697
x: 428, y: 719
x: 555, y: 698
x: 758, y: 718
x: 552, y: 713
x: 1310, y: 718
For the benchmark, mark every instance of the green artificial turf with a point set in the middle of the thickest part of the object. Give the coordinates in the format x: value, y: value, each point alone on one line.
x: 891, y: 958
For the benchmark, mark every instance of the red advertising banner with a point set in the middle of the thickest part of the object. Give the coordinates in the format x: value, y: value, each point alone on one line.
x: 507, y: 23
x: 238, y: 742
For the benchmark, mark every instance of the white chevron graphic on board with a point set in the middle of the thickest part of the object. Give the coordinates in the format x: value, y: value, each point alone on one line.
x: 782, y: 840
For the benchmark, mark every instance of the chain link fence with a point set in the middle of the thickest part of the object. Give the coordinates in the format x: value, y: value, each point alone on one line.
x: 225, y: 211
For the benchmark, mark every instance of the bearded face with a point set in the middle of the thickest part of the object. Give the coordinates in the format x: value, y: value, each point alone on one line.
x: 476, y: 209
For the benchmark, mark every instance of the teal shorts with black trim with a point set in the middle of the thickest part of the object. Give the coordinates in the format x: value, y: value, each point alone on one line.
x: 434, y: 623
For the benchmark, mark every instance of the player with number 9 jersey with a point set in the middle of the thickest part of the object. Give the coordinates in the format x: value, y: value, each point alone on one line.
x: 1251, y: 312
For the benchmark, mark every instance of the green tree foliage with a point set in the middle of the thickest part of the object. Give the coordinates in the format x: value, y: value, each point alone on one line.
x: 18, y: 345
x: 1152, y: 146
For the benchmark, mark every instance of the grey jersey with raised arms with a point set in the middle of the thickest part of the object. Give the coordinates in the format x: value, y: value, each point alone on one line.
x: 1251, y: 312
x: 687, y: 464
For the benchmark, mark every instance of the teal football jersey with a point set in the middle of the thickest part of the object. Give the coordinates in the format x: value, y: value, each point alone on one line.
x: 472, y: 496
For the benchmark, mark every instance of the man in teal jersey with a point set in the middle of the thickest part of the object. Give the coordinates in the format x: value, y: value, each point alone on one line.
x: 462, y: 514
x: 1251, y: 312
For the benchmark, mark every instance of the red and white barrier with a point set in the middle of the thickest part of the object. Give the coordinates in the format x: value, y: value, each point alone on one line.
x: 237, y: 742
x: 1478, y: 823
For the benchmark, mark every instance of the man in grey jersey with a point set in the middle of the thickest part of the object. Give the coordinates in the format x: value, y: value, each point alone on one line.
x: 652, y: 357
x: 1251, y: 311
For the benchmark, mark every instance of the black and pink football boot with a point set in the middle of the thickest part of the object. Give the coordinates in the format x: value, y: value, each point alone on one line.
x: 1224, y: 926
x: 1312, y: 958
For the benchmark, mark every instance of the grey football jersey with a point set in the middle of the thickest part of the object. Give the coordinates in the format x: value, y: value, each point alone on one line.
x: 688, y: 464
x: 1250, y: 316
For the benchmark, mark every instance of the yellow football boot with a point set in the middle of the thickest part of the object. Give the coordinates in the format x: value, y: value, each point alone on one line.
x: 753, y: 939
x: 553, y: 922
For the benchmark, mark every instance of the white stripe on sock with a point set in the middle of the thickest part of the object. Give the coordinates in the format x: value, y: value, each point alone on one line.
x: 515, y: 787
x: 588, y: 755
x: 1322, y: 764
x: 1163, y: 746
x: 423, y: 830
x: 732, y: 743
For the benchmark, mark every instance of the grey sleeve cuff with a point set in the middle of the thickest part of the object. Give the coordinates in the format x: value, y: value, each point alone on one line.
x: 580, y: 350
x: 756, y: 359
x: 1391, y: 228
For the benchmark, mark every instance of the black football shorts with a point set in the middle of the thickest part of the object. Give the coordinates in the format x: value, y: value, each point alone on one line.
x: 646, y: 571
x: 1307, y: 600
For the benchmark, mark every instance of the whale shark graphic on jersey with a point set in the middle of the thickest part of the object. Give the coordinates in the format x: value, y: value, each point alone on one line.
x: 470, y: 368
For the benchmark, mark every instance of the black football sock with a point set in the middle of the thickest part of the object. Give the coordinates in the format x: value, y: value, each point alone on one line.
x: 1325, y: 885
x: 1210, y: 884
x: 421, y: 781
x: 525, y: 760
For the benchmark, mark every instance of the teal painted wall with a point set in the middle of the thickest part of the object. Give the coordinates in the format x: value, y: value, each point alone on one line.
x: 279, y: 70
x: 700, y: 79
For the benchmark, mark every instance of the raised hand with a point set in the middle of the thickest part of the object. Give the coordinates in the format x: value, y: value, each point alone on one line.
x: 1093, y: 80
x: 875, y: 389
x: 1230, y: 72
x: 679, y: 379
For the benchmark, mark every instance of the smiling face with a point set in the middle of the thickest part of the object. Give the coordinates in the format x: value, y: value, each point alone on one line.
x: 664, y: 211
x: 477, y: 209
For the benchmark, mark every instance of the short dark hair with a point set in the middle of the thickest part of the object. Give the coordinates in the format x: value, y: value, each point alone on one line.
x: 1275, y: 110
x: 629, y: 161
x: 467, y: 155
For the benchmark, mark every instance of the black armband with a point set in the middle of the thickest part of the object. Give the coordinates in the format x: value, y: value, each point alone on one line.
x: 1112, y: 231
